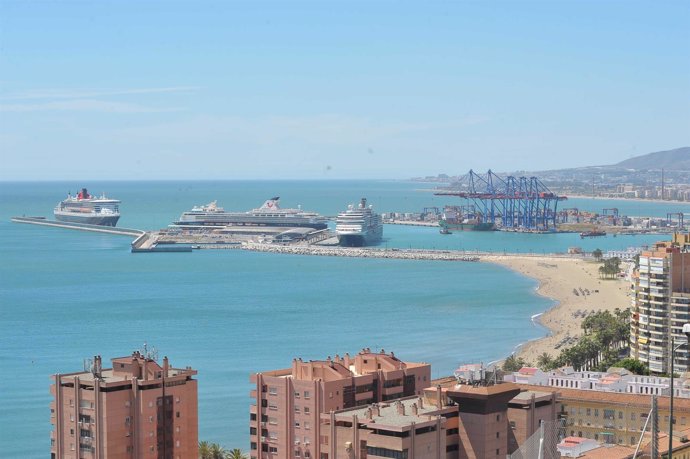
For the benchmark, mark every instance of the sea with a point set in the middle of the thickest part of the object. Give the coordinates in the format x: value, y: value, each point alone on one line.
x: 67, y: 295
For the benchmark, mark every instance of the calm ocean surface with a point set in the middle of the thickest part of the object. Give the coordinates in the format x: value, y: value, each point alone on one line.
x: 67, y: 295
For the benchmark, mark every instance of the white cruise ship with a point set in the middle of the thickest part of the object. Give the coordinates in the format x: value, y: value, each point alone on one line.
x: 358, y: 226
x: 269, y: 214
x: 85, y: 208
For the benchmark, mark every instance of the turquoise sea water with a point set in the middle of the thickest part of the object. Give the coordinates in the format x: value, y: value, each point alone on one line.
x: 67, y: 295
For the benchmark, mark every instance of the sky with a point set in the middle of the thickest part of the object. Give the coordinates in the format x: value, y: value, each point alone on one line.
x: 333, y: 90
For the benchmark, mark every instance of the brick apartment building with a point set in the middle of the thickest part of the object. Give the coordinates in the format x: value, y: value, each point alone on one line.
x: 136, y: 409
x: 287, y: 404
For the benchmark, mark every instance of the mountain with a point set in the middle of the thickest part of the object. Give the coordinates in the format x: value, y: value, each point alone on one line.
x: 678, y: 159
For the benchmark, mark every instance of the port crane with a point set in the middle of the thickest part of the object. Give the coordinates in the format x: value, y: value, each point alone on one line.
x: 515, y: 203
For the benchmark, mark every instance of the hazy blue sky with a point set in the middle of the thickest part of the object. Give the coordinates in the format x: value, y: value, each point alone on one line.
x: 223, y: 89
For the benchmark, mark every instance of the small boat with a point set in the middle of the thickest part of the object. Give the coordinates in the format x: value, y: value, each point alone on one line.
x: 445, y: 230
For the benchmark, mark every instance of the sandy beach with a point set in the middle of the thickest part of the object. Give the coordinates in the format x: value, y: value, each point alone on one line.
x: 558, y: 278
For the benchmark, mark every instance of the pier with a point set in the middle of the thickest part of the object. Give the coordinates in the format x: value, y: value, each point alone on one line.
x: 79, y: 226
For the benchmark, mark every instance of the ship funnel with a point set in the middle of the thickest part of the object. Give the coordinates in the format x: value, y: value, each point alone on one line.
x: 363, y: 204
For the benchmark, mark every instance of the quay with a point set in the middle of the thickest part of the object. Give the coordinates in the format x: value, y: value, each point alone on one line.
x: 79, y: 226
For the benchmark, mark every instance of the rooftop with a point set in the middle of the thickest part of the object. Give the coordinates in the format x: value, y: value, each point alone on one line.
x: 397, y: 414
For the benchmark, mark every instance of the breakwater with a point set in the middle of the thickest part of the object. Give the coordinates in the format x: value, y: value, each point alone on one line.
x: 357, y: 252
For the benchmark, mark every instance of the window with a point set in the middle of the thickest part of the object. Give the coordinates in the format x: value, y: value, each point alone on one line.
x: 272, y: 449
x: 596, y: 412
x: 620, y: 415
x: 306, y: 394
x: 297, y: 410
x: 589, y: 411
x: 272, y: 421
x: 306, y: 410
x: 272, y: 406
x: 307, y: 425
x: 272, y: 391
x: 385, y: 452
x: 296, y: 394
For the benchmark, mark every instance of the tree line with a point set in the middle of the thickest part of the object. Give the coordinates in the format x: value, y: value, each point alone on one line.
x: 605, y: 336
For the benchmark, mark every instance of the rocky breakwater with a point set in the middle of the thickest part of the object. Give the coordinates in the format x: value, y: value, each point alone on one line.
x: 361, y: 252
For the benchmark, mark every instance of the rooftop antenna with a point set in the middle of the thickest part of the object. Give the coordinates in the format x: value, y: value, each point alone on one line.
x: 88, y: 365
x: 150, y: 353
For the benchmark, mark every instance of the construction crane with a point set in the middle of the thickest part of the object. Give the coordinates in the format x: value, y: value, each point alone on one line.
x: 515, y: 203
x: 679, y: 219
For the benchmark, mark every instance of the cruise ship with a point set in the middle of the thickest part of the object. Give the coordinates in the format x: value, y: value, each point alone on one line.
x: 85, y: 208
x: 269, y: 214
x: 358, y: 226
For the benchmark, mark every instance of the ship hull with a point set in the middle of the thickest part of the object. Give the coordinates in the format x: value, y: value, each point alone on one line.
x: 250, y: 222
x: 357, y: 240
x: 467, y: 226
x: 102, y: 220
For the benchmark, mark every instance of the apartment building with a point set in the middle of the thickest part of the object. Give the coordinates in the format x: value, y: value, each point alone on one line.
x: 613, y: 418
x: 136, y: 409
x: 402, y: 429
x: 661, y: 305
x: 288, y: 403
x: 450, y: 421
x: 526, y: 411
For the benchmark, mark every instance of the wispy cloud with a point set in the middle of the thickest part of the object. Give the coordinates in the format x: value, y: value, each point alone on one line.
x: 85, y: 93
x: 83, y: 105
x: 323, y: 130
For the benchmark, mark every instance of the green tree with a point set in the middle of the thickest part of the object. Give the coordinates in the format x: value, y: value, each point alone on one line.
x: 545, y: 362
x: 513, y: 363
x: 633, y: 365
x: 209, y: 450
x: 597, y: 254
x: 237, y: 454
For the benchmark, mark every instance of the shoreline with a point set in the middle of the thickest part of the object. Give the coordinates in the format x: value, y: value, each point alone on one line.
x: 574, y: 287
x: 604, y: 198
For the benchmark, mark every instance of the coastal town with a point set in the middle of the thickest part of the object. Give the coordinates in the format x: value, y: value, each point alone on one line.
x: 375, y: 403
x: 298, y: 229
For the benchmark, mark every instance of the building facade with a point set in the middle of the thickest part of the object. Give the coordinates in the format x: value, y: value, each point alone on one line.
x: 136, y: 409
x: 661, y: 305
x: 613, y: 418
x: 285, y: 415
x: 402, y: 429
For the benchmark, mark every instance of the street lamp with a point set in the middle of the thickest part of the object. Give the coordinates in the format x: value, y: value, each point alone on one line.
x: 686, y: 332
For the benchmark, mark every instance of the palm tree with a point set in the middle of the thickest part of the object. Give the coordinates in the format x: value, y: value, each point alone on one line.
x: 218, y: 452
x: 204, y: 450
x: 597, y: 254
x: 236, y: 454
x: 209, y: 450
x: 544, y: 361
